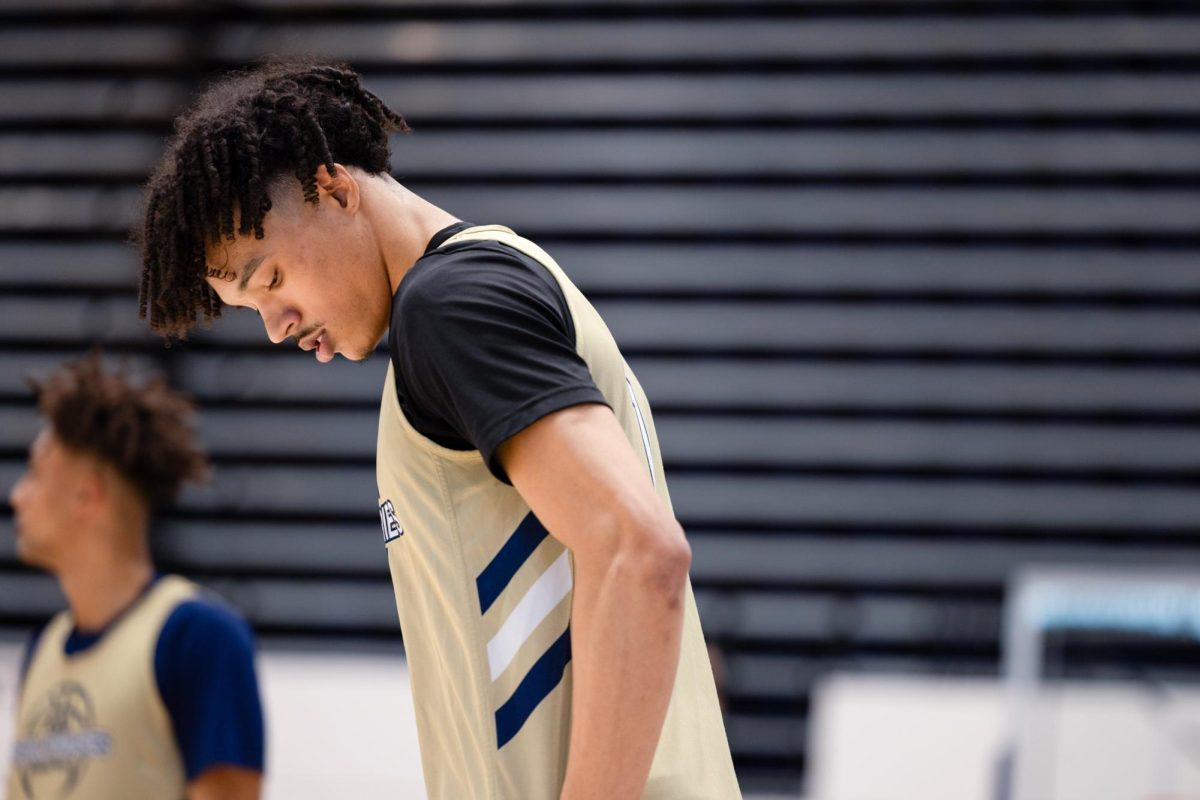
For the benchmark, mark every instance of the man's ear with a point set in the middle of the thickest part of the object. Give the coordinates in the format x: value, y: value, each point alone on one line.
x: 85, y: 490
x: 91, y: 488
x: 341, y: 186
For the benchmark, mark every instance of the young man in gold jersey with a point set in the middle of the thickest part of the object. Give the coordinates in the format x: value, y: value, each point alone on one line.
x: 541, y: 577
x: 145, y: 686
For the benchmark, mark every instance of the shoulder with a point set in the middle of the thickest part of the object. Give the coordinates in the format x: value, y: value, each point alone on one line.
x: 199, y: 625
x: 205, y: 615
x: 471, y: 270
x: 474, y: 294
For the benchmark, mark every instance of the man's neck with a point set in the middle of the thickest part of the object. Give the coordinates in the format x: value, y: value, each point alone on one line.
x: 403, y: 223
x: 103, y: 586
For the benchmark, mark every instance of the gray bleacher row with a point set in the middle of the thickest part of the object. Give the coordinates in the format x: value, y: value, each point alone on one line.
x: 720, y: 557
x: 771, y: 735
x: 778, y: 500
x: 41, y: 7
x: 795, y: 385
x: 630, y: 99
x: 806, y: 617
x: 646, y: 41
x: 732, y: 268
x: 702, y: 441
x: 811, y: 617
x: 643, y: 42
x: 637, y: 154
x: 718, y: 326
x: 814, y: 617
x: 709, y: 210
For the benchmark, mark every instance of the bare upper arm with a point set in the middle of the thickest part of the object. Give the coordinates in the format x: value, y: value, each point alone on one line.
x: 585, y: 482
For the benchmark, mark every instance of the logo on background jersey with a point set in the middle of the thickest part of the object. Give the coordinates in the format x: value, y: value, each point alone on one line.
x: 391, y: 525
x: 58, y: 743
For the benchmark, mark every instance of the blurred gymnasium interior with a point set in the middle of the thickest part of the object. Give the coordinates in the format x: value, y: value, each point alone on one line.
x: 912, y: 287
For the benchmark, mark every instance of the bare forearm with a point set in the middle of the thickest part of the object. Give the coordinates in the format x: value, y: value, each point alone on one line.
x: 226, y: 783
x: 582, y: 478
x: 626, y: 625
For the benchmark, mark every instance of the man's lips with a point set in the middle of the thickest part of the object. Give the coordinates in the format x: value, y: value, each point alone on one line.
x: 311, y: 341
x: 320, y: 341
x: 324, y: 348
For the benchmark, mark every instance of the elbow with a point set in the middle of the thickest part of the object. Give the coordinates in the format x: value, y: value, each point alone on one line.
x: 662, y: 557
x: 676, y: 554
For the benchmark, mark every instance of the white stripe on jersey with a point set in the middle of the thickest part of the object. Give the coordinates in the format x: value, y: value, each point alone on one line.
x: 546, y: 593
x: 637, y: 410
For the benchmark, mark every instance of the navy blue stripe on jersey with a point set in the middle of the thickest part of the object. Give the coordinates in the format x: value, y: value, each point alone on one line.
x: 515, y: 552
x: 539, y: 682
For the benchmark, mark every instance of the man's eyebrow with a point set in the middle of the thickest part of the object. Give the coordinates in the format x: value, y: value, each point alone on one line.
x: 248, y: 271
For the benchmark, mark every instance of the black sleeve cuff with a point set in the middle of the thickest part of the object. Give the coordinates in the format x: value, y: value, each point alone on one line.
x: 528, y: 414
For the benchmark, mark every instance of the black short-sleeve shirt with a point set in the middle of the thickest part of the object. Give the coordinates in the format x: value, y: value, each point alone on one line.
x: 482, y: 345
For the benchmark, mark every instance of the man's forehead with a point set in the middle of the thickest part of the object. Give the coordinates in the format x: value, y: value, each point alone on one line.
x: 222, y: 279
x: 230, y: 265
x: 52, y: 453
x: 45, y: 443
x: 223, y: 259
x: 221, y: 274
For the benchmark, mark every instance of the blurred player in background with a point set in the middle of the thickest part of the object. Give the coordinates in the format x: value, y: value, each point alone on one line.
x: 145, y: 686
x: 540, y: 574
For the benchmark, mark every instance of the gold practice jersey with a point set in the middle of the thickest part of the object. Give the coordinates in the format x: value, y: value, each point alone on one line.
x: 93, y: 725
x: 484, y: 597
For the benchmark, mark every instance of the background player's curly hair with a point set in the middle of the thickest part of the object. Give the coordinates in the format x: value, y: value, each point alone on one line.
x: 143, y: 430
x: 278, y: 120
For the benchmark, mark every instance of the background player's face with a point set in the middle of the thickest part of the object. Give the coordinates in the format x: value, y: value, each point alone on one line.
x: 44, y: 500
x: 318, y: 276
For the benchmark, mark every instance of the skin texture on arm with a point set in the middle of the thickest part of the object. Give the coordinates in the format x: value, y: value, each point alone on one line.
x: 226, y: 783
x: 578, y: 473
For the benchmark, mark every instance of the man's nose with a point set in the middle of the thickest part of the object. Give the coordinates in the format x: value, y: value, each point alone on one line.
x: 15, y: 494
x: 281, y: 323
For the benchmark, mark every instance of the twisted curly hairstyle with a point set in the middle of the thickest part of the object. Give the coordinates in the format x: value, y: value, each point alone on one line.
x: 144, y: 431
x: 280, y: 119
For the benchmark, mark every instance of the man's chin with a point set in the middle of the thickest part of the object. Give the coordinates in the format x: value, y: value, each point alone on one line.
x: 358, y: 357
x: 30, y: 557
x: 362, y: 353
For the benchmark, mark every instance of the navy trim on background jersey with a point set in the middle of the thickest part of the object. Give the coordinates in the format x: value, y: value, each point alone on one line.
x: 78, y: 641
x: 539, y: 682
x: 204, y: 665
x: 30, y: 648
x: 504, y: 565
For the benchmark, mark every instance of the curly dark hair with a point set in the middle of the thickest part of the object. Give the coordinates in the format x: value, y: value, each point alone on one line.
x: 144, y: 431
x: 246, y: 131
